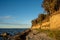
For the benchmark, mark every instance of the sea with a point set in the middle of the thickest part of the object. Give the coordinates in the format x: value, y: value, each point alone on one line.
x: 11, y: 31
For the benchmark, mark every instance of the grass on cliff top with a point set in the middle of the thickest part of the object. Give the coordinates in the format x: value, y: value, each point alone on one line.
x: 51, y: 33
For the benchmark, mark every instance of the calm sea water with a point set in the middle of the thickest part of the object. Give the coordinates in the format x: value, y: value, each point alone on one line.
x: 11, y: 31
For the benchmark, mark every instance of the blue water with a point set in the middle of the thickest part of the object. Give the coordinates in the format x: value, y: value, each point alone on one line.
x: 11, y: 31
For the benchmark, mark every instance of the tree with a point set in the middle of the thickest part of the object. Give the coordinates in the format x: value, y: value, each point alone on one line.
x: 51, y: 5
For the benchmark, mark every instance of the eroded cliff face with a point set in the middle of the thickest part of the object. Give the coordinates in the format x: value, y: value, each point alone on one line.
x: 53, y: 23
x: 55, y: 20
x: 36, y: 26
x: 51, y: 20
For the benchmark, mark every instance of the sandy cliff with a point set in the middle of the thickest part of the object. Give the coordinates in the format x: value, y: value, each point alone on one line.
x: 55, y: 20
x: 52, y: 7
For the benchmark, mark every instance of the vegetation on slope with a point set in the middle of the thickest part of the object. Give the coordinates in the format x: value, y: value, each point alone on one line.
x: 50, y: 7
x: 51, y: 33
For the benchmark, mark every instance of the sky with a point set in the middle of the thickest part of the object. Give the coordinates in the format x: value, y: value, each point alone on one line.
x: 19, y: 13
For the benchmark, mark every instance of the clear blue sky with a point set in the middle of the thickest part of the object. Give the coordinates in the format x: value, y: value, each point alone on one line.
x: 19, y: 13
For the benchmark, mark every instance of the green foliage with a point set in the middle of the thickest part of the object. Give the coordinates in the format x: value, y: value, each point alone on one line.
x: 34, y: 22
x: 57, y: 34
x: 51, y: 33
x: 39, y: 20
x: 41, y: 17
x: 51, y: 5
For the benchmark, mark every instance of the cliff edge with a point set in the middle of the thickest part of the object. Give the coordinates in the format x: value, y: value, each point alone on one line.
x: 51, y: 20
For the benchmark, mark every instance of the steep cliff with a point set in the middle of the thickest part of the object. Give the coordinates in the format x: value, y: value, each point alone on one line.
x: 51, y: 20
x: 55, y: 20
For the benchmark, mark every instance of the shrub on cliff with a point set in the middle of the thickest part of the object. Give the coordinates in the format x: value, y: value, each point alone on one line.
x: 51, y: 5
x: 39, y: 20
